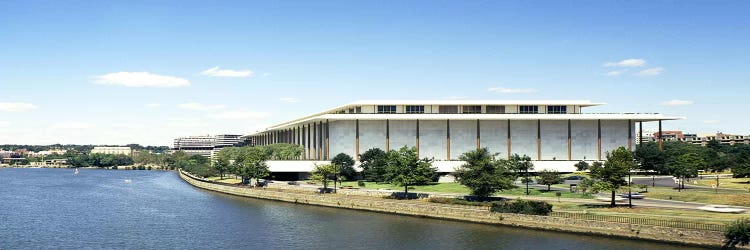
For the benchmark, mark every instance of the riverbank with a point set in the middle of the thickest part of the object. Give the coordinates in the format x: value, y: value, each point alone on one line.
x: 574, y: 224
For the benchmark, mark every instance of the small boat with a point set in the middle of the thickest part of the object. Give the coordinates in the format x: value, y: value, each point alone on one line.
x: 721, y: 209
x: 128, y: 181
x: 76, y: 172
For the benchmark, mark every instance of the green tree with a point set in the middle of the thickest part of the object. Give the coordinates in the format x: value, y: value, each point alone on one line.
x: 611, y: 175
x: 650, y: 157
x: 522, y: 165
x: 222, y: 164
x: 373, y: 164
x: 324, y: 173
x: 345, y: 163
x: 685, y: 166
x: 582, y: 166
x: 549, y: 178
x: 404, y: 168
x: 737, y: 233
x: 484, y: 174
x: 251, y: 164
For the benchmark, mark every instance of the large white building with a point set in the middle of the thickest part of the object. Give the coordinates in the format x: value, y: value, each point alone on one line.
x: 113, y: 150
x: 205, y: 145
x: 555, y: 134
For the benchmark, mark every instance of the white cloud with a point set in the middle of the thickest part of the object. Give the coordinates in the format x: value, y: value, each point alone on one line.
x: 217, y: 72
x: 153, y: 105
x: 239, y: 115
x: 140, y: 79
x: 200, y: 106
x: 616, y: 72
x: 4, y: 124
x: 711, y: 121
x: 16, y: 107
x: 510, y: 90
x: 627, y: 63
x: 289, y: 99
x: 72, y: 125
x: 677, y: 103
x: 651, y: 71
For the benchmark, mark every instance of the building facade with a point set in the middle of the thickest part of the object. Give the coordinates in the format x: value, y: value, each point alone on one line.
x: 205, y: 145
x: 113, y: 150
x: 555, y: 134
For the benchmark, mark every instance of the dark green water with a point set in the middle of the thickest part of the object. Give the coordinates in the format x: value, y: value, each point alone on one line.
x: 52, y: 208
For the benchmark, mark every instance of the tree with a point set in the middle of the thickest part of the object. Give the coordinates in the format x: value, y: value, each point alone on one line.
x: 251, y: 163
x: 404, y: 168
x: 222, y: 164
x: 324, y: 173
x: 611, y: 175
x: 522, y: 165
x: 650, y: 157
x: 582, y: 166
x: 549, y: 178
x: 346, y: 166
x: 685, y: 166
x: 741, y: 171
x: 483, y: 174
x: 373, y: 163
x: 737, y: 233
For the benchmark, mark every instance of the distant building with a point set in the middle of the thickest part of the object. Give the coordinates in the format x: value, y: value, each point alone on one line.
x: 205, y: 145
x: 698, y: 139
x: 50, y: 163
x: 113, y: 150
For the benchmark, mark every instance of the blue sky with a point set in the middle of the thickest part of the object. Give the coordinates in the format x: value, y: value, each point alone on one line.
x: 73, y: 71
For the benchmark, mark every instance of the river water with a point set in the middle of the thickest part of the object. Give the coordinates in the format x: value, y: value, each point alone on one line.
x: 128, y: 209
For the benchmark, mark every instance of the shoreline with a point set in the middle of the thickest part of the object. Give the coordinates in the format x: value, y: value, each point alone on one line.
x: 416, y: 208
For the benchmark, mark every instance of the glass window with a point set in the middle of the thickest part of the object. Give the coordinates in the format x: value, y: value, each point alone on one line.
x: 414, y: 109
x: 528, y: 109
x: 386, y: 109
x: 351, y: 110
x: 557, y: 109
x: 359, y: 110
x: 471, y: 109
x: 495, y: 109
x: 448, y: 109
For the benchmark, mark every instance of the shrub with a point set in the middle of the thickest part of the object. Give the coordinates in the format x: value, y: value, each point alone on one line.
x: 520, y: 206
x: 456, y: 201
x: 361, y: 183
x: 737, y: 233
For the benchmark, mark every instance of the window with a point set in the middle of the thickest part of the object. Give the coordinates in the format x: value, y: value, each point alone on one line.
x: 471, y: 109
x: 448, y: 109
x: 383, y: 109
x: 528, y: 109
x: 495, y: 109
x: 414, y: 109
x: 557, y: 109
x: 359, y: 110
x: 351, y: 110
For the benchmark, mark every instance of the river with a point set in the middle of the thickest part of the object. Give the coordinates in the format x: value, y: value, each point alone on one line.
x: 53, y: 208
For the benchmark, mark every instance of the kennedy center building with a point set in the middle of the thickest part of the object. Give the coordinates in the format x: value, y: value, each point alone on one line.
x: 555, y: 134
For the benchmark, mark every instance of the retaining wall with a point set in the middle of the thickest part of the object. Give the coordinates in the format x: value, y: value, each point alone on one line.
x: 470, y: 214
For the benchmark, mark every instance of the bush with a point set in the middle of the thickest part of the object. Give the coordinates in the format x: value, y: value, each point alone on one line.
x: 361, y: 183
x: 456, y: 201
x: 737, y: 233
x: 522, y: 207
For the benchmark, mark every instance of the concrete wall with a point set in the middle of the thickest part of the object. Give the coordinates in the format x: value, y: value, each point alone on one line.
x: 403, y: 133
x: 614, y: 135
x: 554, y: 140
x: 494, y: 136
x: 432, y: 139
x: 584, y: 140
x: 343, y: 138
x: 371, y: 135
x: 463, y: 137
x: 523, y: 138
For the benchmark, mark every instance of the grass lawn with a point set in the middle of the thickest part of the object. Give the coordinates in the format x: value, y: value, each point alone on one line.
x: 734, y: 183
x: 652, y: 213
x: 739, y: 198
x: 456, y: 188
x: 225, y: 180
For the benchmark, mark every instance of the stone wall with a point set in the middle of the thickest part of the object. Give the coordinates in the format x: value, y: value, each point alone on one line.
x: 469, y: 213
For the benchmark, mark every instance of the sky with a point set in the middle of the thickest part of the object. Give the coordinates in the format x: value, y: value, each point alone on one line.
x: 119, y: 72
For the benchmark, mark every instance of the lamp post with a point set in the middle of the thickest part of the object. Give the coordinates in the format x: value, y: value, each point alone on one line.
x: 630, y: 192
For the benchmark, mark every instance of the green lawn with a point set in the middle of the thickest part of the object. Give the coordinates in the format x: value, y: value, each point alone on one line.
x: 739, y: 198
x: 734, y: 183
x: 653, y: 213
x: 225, y: 180
x: 456, y: 188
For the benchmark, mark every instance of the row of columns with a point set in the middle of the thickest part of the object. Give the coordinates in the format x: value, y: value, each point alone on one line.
x: 314, y: 138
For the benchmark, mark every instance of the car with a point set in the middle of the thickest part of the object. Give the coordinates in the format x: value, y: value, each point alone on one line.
x: 633, y: 195
x: 575, y: 178
x: 294, y: 183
